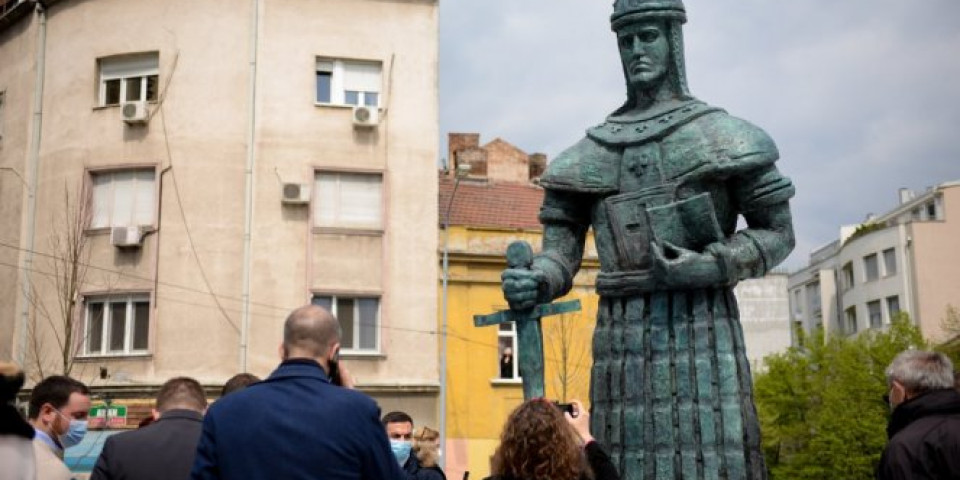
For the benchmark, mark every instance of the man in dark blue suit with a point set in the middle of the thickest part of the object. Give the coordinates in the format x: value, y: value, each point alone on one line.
x: 296, y: 424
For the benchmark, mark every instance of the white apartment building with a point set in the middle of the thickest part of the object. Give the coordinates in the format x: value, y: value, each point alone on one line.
x: 228, y: 161
x: 903, y: 260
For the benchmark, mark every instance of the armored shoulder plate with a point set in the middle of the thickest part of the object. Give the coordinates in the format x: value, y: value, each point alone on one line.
x: 587, y: 167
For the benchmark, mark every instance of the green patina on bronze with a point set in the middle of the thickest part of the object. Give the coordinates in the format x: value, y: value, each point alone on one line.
x: 662, y: 183
x: 527, y: 321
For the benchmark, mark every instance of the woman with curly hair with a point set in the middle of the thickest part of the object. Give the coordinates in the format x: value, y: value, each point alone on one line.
x: 541, y: 443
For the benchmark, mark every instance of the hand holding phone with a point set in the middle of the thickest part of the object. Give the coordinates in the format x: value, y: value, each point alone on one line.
x: 566, y: 408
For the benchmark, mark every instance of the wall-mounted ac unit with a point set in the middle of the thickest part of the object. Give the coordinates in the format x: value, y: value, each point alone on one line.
x: 126, y: 237
x: 364, y: 116
x: 134, y: 112
x: 296, y: 193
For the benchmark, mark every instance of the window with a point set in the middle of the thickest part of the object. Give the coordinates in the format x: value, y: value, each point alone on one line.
x: 850, y: 315
x: 848, y: 276
x: 798, y: 303
x: 359, y: 320
x: 129, y: 78
x: 893, y: 306
x: 507, y: 349
x: 875, y: 313
x: 813, y: 297
x: 870, y: 267
x: 889, y: 262
x: 931, y: 211
x: 117, y: 325
x: 347, y: 82
x: 348, y: 200
x: 123, y: 198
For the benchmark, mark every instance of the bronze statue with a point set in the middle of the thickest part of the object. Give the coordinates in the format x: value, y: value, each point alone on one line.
x: 662, y: 183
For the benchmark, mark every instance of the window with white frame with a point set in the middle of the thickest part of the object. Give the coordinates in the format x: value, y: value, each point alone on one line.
x: 848, y: 277
x: 507, y: 349
x: 875, y: 312
x: 889, y: 262
x: 359, y: 319
x: 871, y: 268
x: 348, y: 82
x: 893, y: 306
x: 117, y: 325
x: 798, y: 303
x: 123, y: 198
x: 813, y: 297
x: 850, y: 315
x: 129, y: 78
x: 349, y: 200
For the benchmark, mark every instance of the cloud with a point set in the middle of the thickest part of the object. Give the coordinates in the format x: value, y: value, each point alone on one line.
x: 862, y: 96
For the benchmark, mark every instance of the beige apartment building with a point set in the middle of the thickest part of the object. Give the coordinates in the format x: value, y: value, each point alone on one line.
x: 904, y: 260
x: 227, y: 161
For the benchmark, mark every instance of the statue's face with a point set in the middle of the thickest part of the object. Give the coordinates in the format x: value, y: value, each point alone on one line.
x: 645, y: 52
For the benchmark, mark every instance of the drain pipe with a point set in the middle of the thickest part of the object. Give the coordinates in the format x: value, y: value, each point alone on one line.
x: 248, y: 188
x: 26, y: 264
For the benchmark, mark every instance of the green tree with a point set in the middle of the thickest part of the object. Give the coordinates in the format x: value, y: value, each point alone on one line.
x: 950, y: 324
x: 820, y: 404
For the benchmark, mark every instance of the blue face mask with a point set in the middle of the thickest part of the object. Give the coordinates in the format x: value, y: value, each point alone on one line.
x: 75, y: 434
x: 401, y: 450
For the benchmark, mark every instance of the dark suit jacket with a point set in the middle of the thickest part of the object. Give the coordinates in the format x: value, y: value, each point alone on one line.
x: 295, y: 425
x: 163, y: 450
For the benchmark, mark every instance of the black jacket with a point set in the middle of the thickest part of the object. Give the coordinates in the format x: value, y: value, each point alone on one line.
x: 924, y: 439
x: 163, y: 450
x: 414, y: 471
x: 603, y: 468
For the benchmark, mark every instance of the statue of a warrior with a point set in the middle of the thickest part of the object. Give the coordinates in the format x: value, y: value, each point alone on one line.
x: 662, y: 183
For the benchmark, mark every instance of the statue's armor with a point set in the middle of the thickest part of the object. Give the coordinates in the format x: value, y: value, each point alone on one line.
x: 670, y: 386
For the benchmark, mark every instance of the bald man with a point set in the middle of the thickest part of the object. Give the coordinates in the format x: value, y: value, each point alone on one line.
x: 296, y: 424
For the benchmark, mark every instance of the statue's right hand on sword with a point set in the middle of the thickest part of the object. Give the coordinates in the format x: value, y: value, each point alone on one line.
x: 521, y: 287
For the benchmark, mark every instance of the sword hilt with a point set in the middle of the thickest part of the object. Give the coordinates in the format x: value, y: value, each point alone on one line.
x: 519, y: 255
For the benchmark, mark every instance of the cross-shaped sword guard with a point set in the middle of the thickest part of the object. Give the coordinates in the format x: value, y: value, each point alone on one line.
x: 529, y: 334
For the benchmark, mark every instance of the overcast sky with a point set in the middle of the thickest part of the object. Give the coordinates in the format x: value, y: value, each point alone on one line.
x: 861, y: 96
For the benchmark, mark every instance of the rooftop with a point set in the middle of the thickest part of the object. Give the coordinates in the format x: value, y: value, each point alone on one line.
x: 491, y: 204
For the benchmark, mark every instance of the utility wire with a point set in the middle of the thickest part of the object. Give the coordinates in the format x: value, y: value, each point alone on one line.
x: 432, y: 333
x: 176, y: 191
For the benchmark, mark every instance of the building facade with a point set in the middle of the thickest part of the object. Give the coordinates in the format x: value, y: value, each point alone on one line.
x: 901, y: 261
x: 494, y: 205
x: 225, y: 162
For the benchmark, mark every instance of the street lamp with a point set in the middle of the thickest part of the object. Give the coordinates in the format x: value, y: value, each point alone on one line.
x: 462, y: 170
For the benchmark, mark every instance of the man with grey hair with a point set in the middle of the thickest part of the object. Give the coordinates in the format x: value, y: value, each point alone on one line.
x: 296, y: 423
x: 924, y: 429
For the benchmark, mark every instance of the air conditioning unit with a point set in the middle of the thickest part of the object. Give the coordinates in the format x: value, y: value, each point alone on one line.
x: 364, y: 116
x: 124, y: 237
x: 296, y: 193
x: 134, y: 112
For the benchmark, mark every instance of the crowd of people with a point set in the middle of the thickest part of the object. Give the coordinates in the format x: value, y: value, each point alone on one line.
x: 299, y: 424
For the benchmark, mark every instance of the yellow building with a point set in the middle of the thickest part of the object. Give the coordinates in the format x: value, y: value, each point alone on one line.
x: 493, y: 206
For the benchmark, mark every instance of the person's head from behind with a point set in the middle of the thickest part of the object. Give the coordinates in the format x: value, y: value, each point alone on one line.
x: 914, y: 372
x: 426, y: 445
x: 311, y: 332
x: 59, y: 407
x: 399, y: 427
x: 238, y: 382
x: 537, y: 443
x: 180, y: 393
x: 11, y: 379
